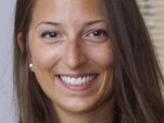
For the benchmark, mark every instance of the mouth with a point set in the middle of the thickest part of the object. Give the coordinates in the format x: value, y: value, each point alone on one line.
x: 78, y: 82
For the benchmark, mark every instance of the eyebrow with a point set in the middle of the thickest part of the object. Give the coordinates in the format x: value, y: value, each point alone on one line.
x: 59, y: 24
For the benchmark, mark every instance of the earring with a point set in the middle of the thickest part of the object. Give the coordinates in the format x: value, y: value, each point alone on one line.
x: 31, y: 65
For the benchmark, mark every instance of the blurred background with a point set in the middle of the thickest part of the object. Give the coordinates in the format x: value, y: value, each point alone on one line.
x: 152, y: 11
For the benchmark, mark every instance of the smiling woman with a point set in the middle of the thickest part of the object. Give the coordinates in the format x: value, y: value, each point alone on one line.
x: 79, y: 61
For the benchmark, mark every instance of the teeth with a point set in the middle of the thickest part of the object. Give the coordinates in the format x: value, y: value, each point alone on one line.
x: 77, y: 81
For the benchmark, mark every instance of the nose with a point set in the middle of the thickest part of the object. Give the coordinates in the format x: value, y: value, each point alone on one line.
x: 74, y: 57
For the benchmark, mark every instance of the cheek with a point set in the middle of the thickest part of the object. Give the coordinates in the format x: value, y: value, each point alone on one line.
x: 44, y: 59
x: 43, y: 56
x: 102, y: 55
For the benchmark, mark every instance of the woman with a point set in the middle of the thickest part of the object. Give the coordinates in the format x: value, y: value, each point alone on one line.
x: 79, y: 61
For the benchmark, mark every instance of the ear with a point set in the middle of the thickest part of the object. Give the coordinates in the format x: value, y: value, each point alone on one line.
x: 21, y: 45
x: 20, y: 41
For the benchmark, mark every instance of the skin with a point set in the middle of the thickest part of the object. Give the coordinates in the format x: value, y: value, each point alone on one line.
x: 74, y: 50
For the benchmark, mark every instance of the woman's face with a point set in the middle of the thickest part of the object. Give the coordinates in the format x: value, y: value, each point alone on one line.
x: 71, y: 53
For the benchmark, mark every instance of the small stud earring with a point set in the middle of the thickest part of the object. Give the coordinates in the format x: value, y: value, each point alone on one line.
x: 30, y: 65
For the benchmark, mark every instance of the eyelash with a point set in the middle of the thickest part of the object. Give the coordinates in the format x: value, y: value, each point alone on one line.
x: 98, y: 32
x: 98, y: 35
x: 49, y: 34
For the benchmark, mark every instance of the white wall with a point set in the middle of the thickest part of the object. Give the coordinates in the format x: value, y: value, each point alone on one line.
x: 7, y: 114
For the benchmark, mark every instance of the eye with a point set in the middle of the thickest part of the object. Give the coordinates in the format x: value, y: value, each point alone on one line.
x: 97, y: 35
x: 49, y: 34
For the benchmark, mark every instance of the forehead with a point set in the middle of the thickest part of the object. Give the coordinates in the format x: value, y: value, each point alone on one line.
x: 68, y: 10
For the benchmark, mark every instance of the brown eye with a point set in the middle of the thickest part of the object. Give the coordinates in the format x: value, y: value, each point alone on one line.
x: 49, y: 34
x: 97, y: 35
x: 52, y: 36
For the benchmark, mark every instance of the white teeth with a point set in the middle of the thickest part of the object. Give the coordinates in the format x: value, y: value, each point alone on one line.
x: 77, y: 81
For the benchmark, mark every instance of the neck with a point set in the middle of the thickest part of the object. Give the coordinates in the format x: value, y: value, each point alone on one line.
x: 102, y: 114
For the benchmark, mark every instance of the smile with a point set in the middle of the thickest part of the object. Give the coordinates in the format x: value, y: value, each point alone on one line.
x: 78, y: 80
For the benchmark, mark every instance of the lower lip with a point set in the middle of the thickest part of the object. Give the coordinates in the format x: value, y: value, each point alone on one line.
x: 82, y: 87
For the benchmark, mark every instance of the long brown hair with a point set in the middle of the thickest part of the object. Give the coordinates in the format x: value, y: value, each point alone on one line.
x: 137, y: 77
